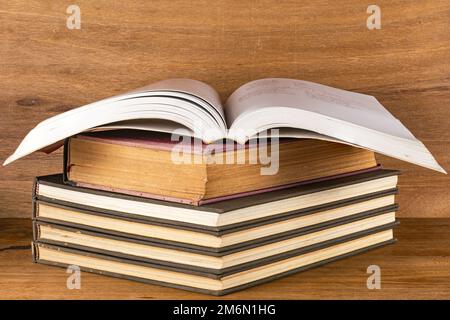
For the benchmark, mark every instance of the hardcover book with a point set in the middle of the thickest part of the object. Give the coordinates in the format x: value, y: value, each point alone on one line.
x: 210, y: 262
x: 227, y: 214
x: 152, y: 165
x: 199, y: 281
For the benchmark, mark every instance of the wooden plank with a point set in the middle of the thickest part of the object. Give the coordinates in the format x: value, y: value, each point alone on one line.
x: 47, y: 69
x: 416, y: 267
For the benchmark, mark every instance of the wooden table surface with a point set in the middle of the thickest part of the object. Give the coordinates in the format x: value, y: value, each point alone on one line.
x: 416, y: 267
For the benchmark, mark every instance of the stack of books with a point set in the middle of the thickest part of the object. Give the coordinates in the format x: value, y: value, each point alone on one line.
x: 122, y: 208
x: 297, y: 187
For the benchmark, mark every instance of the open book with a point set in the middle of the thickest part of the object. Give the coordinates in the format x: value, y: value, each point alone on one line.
x: 297, y: 109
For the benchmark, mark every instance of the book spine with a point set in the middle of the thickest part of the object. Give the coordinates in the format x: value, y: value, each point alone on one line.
x: 36, y: 233
x: 34, y: 210
x: 66, y: 164
x: 34, y: 252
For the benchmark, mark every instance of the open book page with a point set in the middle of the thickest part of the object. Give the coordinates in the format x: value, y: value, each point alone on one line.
x: 334, y: 114
x: 191, y: 104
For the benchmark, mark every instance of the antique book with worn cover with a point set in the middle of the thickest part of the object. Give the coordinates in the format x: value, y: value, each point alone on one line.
x: 152, y: 165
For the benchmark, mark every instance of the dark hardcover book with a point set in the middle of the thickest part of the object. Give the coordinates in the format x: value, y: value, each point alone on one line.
x: 199, y: 281
x: 192, y: 240
x: 187, y: 258
x: 221, y: 217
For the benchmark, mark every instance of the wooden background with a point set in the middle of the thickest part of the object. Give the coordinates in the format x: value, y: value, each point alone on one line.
x: 46, y: 68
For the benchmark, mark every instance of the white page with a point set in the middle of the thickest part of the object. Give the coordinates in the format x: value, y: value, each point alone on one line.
x: 147, y: 125
x: 356, y: 108
x: 352, y: 118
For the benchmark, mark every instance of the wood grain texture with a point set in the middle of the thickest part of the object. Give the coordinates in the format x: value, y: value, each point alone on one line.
x: 47, y: 69
x: 416, y: 267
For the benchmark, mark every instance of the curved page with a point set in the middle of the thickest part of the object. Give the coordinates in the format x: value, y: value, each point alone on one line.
x: 190, y: 103
x: 328, y: 113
